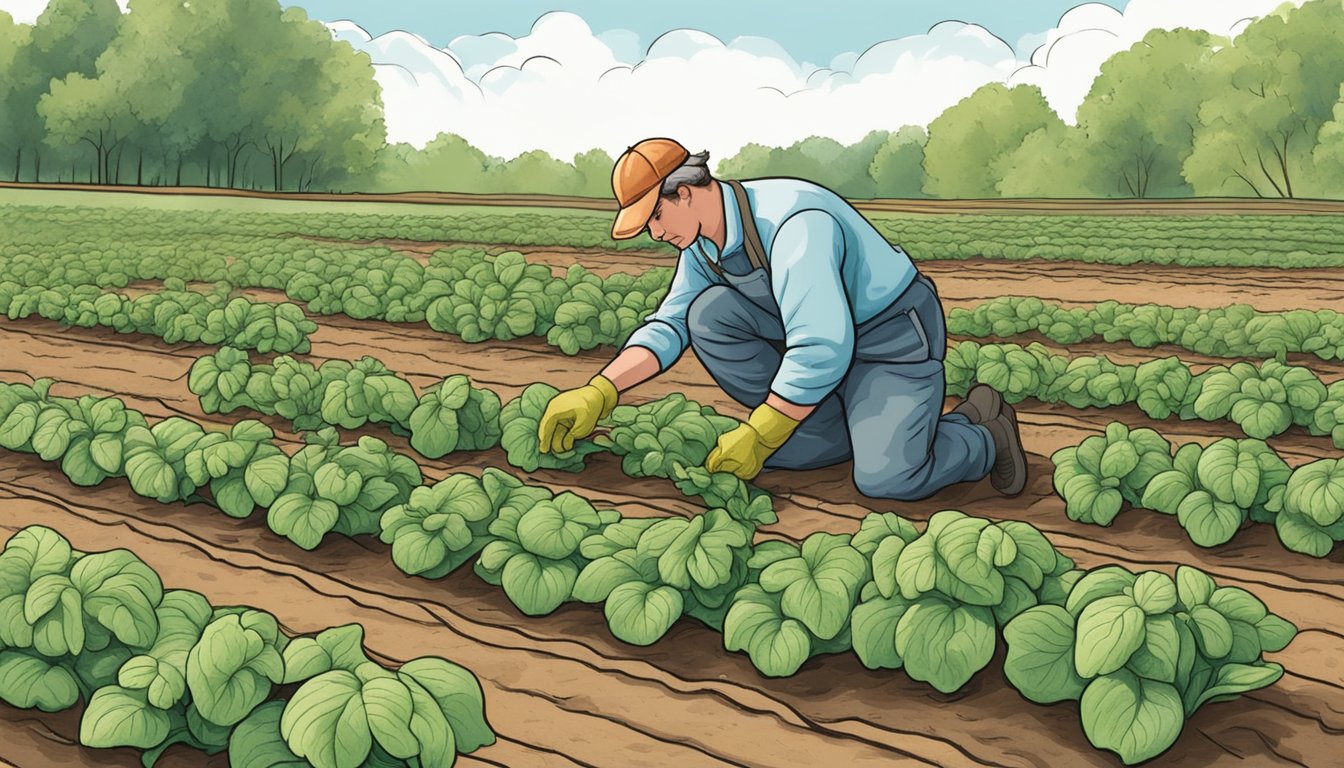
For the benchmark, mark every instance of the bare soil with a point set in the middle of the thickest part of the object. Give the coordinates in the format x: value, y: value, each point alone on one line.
x: 1061, y: 206
x: 561, y: 690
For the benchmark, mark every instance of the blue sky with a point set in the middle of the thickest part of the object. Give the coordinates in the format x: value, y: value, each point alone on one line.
x: 810, y: 31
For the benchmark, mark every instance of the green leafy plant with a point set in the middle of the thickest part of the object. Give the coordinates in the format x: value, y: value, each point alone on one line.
x: 1264, y: 401
x: 503, y: 299
x: 1098, y: 476
x: 535, y: 555
x: 799, y: 603
x: 936, y: 598
x: 519, y: 421
x: 1311, y: 520
x: 1214, y: 490
x: 243, y: 468
x: 159, y: 668
x: 344, y: 490
x: 653, y: 439
x: 1141, y: 653
x: 156, y: 458
x: 453, y: 415
x: 442, y: 525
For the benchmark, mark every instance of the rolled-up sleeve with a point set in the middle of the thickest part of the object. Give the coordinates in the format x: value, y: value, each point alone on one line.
x: 665, y: 332
x: 806, y: 259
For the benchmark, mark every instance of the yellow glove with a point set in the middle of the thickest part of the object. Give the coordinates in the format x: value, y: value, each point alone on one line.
x: 572, y: 415
x: 743, y: 451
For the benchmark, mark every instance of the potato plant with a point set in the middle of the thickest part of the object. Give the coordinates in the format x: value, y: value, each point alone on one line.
x: 157, y: 667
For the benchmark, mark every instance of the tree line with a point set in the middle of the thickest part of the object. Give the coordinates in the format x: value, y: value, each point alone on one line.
x: 247, y: 94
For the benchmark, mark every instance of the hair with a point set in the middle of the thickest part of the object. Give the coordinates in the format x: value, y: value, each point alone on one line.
x: 693, y: 172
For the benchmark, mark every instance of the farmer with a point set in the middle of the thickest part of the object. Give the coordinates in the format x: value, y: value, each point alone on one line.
x: 803, y: 312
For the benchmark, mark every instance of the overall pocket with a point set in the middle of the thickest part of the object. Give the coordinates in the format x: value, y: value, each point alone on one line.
x: 912, y: 330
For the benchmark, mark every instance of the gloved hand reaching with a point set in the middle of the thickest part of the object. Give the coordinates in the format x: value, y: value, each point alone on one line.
x: 573, y: 414
x: 743, y: 450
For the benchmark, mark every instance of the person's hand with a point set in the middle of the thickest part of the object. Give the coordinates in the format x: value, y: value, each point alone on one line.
x: 743, y: 451
x: 573, y: 414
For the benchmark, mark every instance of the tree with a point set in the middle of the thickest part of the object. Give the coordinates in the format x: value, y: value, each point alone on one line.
x: 1056, y: 160
x: 1279, y: 83
x: 535, y: 172
x: 1140, y: 114
x: 595, y: 167
x: 897, y: 169
x: 966, y: 139
x: 1329, y: 153
x: 67, y: 38
x: 13, y: 39
x: 446, y: 164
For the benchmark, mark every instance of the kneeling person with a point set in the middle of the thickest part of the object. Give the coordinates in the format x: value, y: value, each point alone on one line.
x: 802, y: 311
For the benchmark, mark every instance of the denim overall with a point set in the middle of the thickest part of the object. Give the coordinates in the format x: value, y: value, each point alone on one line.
x: 886, y: 413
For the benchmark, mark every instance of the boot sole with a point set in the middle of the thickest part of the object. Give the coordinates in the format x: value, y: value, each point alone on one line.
x: 1008, y: 415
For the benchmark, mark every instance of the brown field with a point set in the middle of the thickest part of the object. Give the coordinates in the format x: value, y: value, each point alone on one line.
x: 560, y: 690
x: 1092, y: 207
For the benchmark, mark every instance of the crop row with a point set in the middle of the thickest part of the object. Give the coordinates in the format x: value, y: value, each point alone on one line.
x: 1233, y: 331
x: 464, y: 292
x: 157, y: 667
x: 453, y: 414
x: 174, y: 314
x: 931, y: 602
x: 1269, y: 241
x: 1213, y: 491
x: 1264, y: 400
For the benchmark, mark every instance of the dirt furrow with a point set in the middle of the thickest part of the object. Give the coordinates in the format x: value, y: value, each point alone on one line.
x: 1304, y: 590
x: 561, y: 650
x: 621, y: 699
x: 815, y: 496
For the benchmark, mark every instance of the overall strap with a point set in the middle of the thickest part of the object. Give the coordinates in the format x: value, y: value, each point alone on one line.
x: 750, y: 236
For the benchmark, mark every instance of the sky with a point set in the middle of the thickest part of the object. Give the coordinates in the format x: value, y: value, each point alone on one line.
x: 810, y: 31
x: 567, y: 76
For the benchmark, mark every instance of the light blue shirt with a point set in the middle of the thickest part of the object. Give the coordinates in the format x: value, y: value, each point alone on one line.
x: 830, y: 270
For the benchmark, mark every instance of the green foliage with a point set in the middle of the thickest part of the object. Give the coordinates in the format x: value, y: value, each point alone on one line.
x: 244, y: 468
x: 936, y: 598
x: 1097, y: 477
x: 652, y: 439
x: 1264, y: 401
x: 503, y: 299
x: 345, y: 490
x: 1233, y: 331
x: 1213, y: 491
x: 453, y: 415
x: 519, y: 422
x: 442, y: 525
x: 159, y: 668
x: 1143, y: 653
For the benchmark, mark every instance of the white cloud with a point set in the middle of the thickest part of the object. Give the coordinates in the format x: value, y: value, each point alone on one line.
x: 27, y: 11
x: 565, y: 90
x: 1070, y: 55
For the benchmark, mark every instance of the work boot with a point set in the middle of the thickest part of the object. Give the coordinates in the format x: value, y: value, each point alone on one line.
x: 1009, y: 473
x: 981, y: 404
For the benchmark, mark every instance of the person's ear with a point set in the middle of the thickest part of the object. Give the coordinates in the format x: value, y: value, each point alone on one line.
x: 684, y: 193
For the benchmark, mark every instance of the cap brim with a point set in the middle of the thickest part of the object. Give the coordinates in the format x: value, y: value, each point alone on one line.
x: 632, y: 218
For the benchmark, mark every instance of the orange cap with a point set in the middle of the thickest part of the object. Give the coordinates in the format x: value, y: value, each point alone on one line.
x: 637, y: 179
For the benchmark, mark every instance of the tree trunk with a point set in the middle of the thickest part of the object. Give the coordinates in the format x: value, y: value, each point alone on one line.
x: 116, y: 179
x: 18, y: 160
x: 178, y: 183
x: 139, y: 167
x: 37, y: 165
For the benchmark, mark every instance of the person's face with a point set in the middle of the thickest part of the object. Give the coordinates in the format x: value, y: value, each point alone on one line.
x: 674, y: 220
